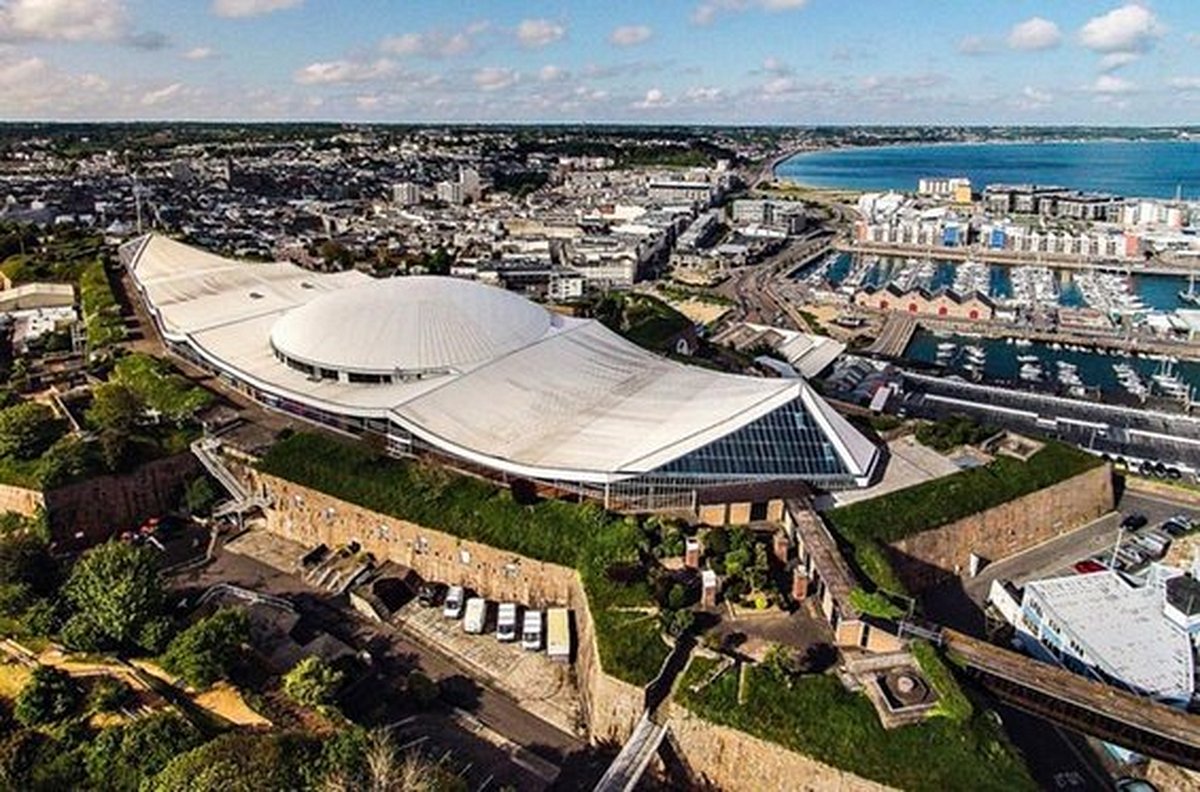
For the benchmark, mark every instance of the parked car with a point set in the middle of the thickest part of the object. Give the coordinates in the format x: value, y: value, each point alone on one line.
x: 1130, y: 555
x: 1134, y: 521
x: 476, y: 616
x: 1088, y: 566
x: 452, y: 606
x: 1177, y: 526
x: 431, y: 594
x: 1150, y: 546
x: 506, y: 622
x: 531, y: 631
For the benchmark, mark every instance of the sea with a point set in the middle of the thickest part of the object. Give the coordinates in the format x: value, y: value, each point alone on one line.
x: 1142, y: 169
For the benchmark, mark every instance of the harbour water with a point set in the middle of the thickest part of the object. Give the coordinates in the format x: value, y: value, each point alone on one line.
x: 1003, y: 360
x: 1151, y: 169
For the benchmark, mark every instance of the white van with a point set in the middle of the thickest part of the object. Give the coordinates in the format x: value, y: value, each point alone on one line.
x: 558, y: 635
x: 531, y: 631
x: 506, y: 622
x: 452, y: 606
x: 476, y: 616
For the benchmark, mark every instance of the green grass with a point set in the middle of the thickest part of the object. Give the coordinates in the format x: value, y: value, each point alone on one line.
x: 867, y: 525
x: 818, y: 717
x: 156, y: 382
x: 584, y: 537
x: 101, y: 313
x: 952, y: 701
x: 651, y: 323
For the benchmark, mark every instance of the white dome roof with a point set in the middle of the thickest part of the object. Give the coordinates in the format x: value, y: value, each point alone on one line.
x: 411, y: 324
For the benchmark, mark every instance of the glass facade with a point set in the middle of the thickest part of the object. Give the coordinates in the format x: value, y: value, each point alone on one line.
x: 784, y: 443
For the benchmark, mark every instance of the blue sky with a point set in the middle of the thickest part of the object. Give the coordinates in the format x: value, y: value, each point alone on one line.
x: 653, y: 61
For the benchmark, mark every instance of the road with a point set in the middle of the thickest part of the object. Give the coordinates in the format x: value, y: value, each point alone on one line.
x: 752, y: 287
x: 394, y: 654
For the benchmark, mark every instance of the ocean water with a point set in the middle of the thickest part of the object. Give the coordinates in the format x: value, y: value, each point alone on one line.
x: 1129, y: 168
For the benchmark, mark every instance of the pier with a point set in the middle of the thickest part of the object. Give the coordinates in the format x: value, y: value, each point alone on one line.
x: 896, y: 335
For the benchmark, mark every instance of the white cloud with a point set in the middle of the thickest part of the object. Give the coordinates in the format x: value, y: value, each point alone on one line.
x: 976, y: 45
x: 1111, y: 84
x: 534, y: 33
x: 199, y: 53
x: 708, y: 10
x: 250, y: 8
x: 495, y: 78
x: 1033, y: 98
x: 344, y: 71
x: 63, y: 20
x: 1034, y: 33
x: 704, y: 94
x: 630, y: 35
x: 367, y: 102
x: 1184, y: 83
x: 773, y: 65
x: 654, y: 98
x: 1117, y: 60
x: 434, y: 44
x: 552, y: 73
x: 1130, y: 28
x: 161, y: 95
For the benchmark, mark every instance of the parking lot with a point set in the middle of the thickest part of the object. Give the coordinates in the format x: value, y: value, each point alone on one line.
x: 538, y: 684
x: 1058, y: 556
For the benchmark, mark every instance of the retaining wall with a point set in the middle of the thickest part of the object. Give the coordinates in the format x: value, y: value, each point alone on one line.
x: 930, y: 557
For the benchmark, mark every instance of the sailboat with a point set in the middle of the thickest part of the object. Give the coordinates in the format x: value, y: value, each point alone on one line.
x: 1191, y: 296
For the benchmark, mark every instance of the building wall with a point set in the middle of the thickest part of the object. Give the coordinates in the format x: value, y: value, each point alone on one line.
x: 932, y: 556
x: 724, y: 758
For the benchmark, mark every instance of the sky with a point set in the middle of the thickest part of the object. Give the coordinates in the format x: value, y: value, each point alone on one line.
x: 630, y: 61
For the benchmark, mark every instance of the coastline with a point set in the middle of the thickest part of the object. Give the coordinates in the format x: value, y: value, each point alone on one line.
x: 825, y: 150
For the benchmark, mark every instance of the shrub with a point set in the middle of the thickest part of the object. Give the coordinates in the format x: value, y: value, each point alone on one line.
x: 424, y: 691
x: 108, y: 694
x: 115, y: 590
x: 48, y: 696
x: 312, y: 682
x: 206, y: 651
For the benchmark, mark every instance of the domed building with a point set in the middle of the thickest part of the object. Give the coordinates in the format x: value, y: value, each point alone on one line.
x: 482, y: 376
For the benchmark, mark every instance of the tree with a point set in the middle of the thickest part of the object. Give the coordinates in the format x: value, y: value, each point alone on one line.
x: 48, y: 696
x: 114, y: 448
x: 115, y: 406
x: 68, y: 459
x: 123, y: 757
x: 25, y: 559
x: 312, y: 682
x: 199, y: 497
x: 108, y: 694
x: 241, y: 762
x: 424, y: 691
x: 27, y: 430
x: 206, y: 651
x: 115, y: 590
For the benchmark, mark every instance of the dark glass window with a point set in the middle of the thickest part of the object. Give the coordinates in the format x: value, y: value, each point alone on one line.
x: 783, y: 443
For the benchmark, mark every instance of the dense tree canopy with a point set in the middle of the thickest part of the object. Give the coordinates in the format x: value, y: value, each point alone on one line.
x: 27, y: 430
x: 115, y: 590
x: 206, y: 651
x: 312, y: 682
x: 48, y: 696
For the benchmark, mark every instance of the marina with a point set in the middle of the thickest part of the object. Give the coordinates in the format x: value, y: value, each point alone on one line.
x: 1063, y: 369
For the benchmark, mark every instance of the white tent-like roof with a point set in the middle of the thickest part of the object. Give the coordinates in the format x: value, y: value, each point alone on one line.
x: 480, y: 373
